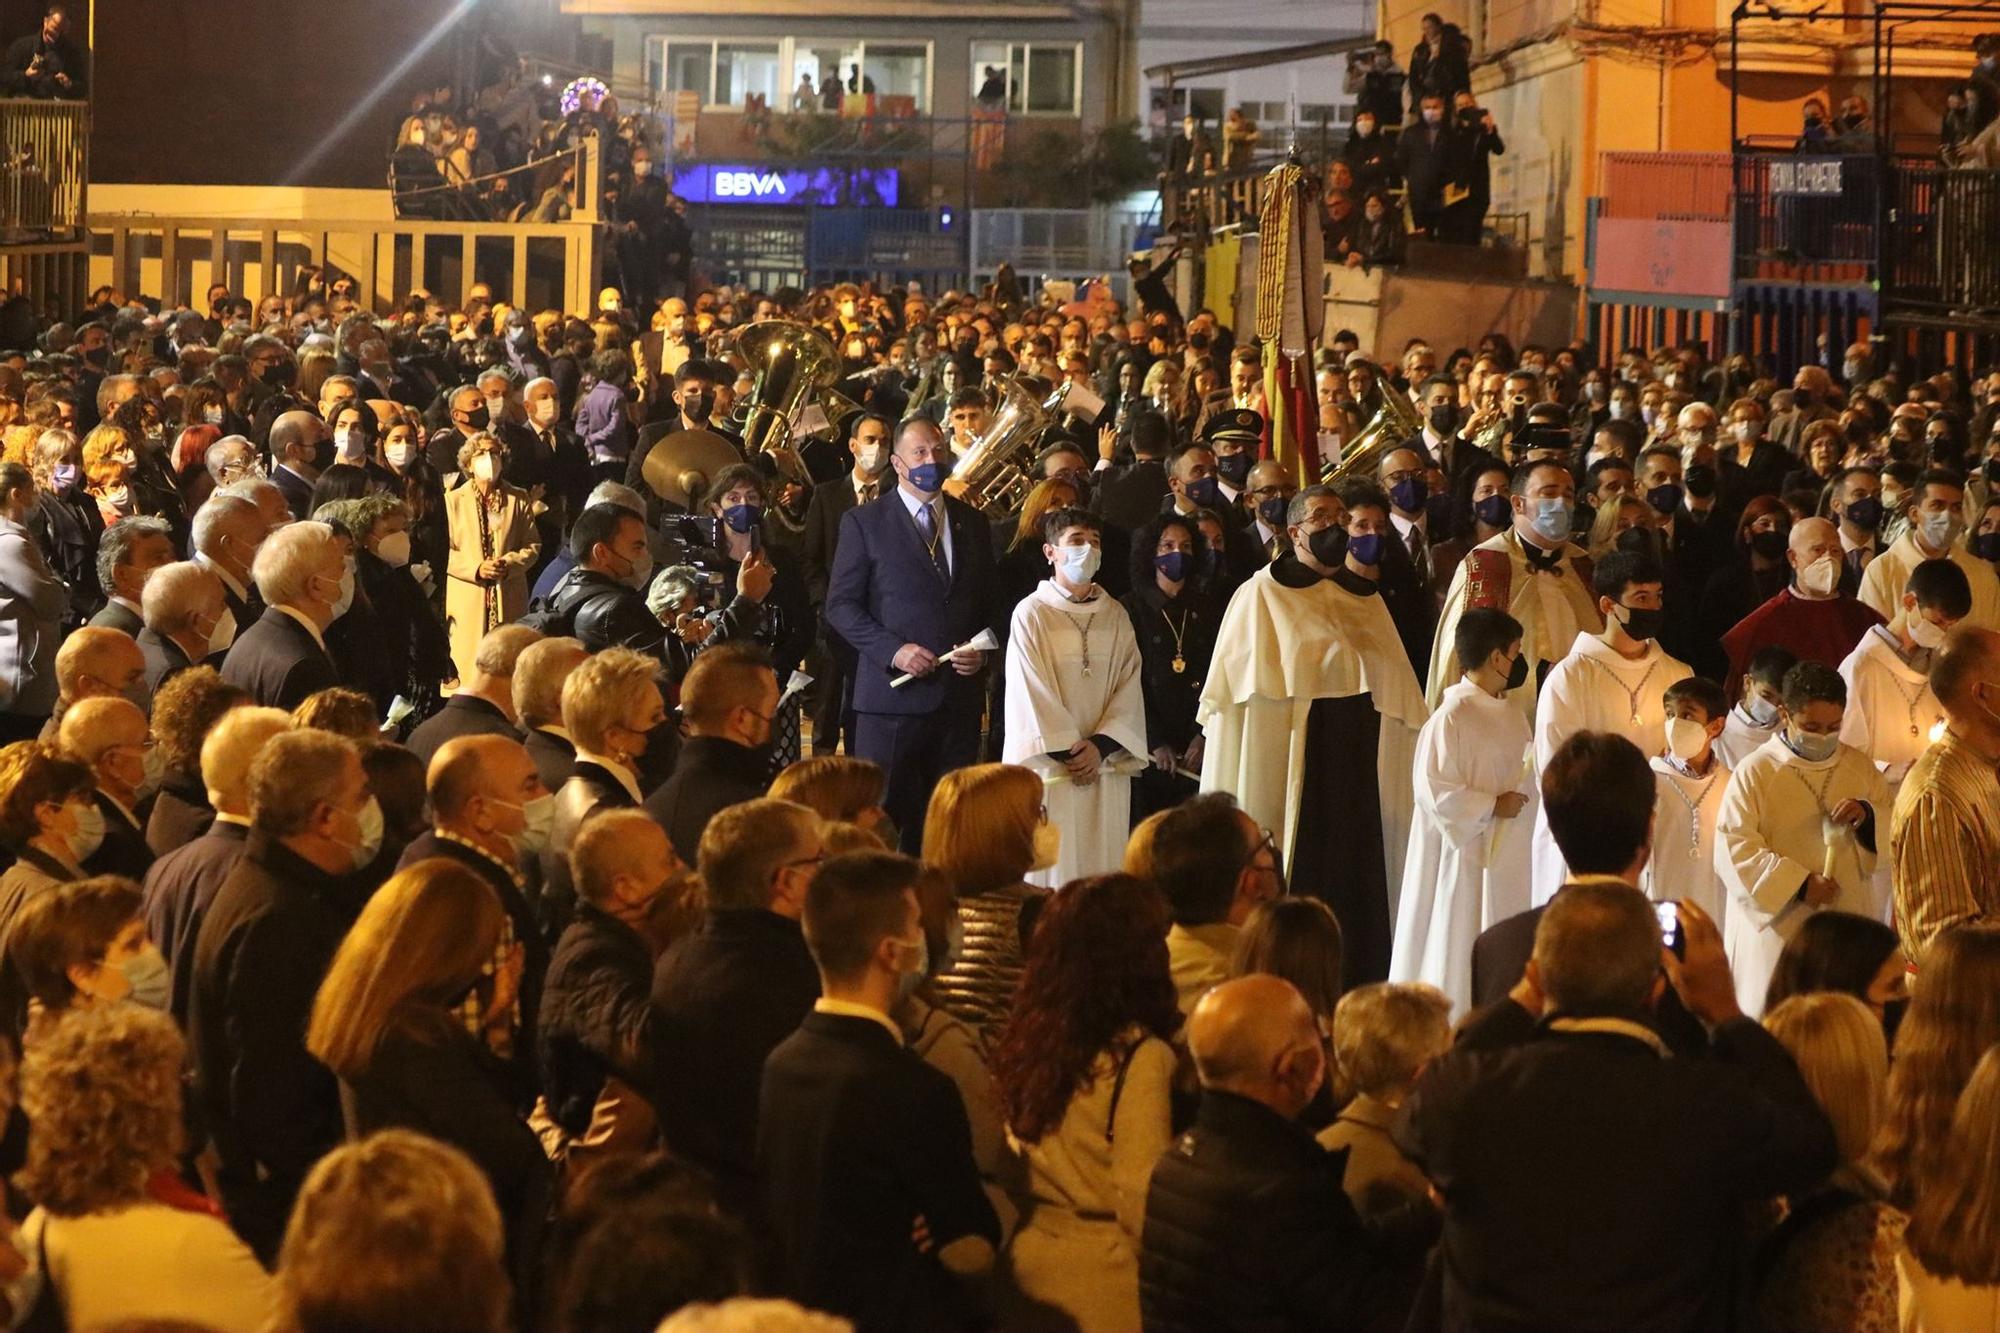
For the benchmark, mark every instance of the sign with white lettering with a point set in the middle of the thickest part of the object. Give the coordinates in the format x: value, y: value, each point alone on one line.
x: 1805, y: 175
x: 737, y: 183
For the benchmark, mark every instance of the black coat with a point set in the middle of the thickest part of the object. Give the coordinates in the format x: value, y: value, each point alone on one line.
x: 462, y: 715
x: 555, y: 758
x: 164, y: 657
x: 725, y: 997
x: 124, y: 850
x: 859, y: 1137
x: 271, y: 1109
x: 297, y: 491
x: 1183, y: 628
x: 1247, y: 1228
x: 278, y: 662
x: 1131, y: 495
x: 1624, y: 1174
x: 68, y: 527
x: 412, y: 647
x: 711, y: 774
x: 596, y: 1018
x: 439, y: 1081
x: 121, y: 618
x: 180, y: 814
x: 591, y: 787
x: 830, y: 502
x: 604, y: 613
x: 180, y: 888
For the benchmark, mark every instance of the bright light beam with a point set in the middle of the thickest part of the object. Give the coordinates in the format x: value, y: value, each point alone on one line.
x: 374, y: 95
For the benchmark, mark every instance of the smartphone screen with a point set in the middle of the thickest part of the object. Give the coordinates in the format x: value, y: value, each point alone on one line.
x: 1671, y: 934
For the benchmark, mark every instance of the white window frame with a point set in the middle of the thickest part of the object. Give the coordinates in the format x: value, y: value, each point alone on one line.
x: 1024, y: 48
x: 659, y: 46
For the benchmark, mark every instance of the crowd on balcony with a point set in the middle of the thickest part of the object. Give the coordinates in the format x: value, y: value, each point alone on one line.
x: 430, y: 886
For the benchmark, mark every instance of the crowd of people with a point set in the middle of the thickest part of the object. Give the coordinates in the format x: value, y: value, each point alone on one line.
x: 586, y: 864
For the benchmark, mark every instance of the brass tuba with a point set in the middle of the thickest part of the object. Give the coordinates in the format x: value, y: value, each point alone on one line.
x: 992, y: 475
x: 794, y: 365
x: 1393, y: 419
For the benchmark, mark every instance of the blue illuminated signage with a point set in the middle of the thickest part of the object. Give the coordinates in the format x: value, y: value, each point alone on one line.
x: 736, y: 183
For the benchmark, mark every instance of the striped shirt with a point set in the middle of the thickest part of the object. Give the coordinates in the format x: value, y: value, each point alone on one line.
x: 1944, y: 841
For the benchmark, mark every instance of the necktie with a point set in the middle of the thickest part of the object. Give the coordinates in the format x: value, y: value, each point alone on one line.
x: 867, y: 492
x: 1417, y: 555
x: 1857, y: 559
x: 927, y: 524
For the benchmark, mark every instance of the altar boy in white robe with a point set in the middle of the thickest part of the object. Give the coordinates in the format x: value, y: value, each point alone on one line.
x: 1075, y: 711
x: 1467, y: 866
x: 1312, y: 712
x: 1754, y: 720
x: 1611, y: 681
x: 1690, y: 780
x: 1798, y: 832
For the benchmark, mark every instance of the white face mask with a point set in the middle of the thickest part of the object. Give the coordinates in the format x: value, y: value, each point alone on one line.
x: 224, y: 632
x: 483, y: 468
x: 400, y: 454
x: 1748, y: 432
x: 545, y: 411
x: 1078, y: 564
x: 1686, y: 738
x: 350, y: 445
x: 1821, y: 577
x: 869, y: 458
x: 394, y: 550
x: 1927, y: 634
x: 496, y: 410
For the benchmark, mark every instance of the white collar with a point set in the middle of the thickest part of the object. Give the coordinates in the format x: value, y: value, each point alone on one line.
x: 306, y: 620
x: 122, y: 808
x: 1621, y: 1027
x: 616, y: 769
x: 228, y: 579
x: 128, y: 604
x: 224, y: 817
x: 1404, y: 525
x: 848, y: 1009
x: 557, y: 730
x: 914, y: 503
x: 1847, y: 545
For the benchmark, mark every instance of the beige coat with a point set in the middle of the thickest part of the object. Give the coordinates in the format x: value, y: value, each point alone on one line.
x: 1379, y: 1177
x: 511, y: 528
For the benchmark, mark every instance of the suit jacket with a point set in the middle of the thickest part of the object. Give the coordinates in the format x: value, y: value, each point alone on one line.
x: 298, y: 492
x: 724, y: 997
x: 118, y: 617
x: 1130, y: 496
x: 124, y: 850
x: 33, y: 604
x: 824, y: 512
x: 179, y: 890
x: 180, y: 814
x: 271, y: 1108
x: 278, y: 662
x: 885, y: 591
x: 462, y: 715
x: 710, y: 775
x: 590, y: 788
x: 555, y: 758
x: 857, y: 1137
x: 1624, y: 1173
x: 164, y: 658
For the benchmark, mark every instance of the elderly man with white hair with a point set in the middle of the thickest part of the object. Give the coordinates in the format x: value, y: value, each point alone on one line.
x: 263, y: 493
x: 226, y: 534
x: 230, y: 459
x: 187, y: 620
x: 307, y: 581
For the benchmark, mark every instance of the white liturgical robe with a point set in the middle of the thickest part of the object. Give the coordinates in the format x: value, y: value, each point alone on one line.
x: 1466, y: 868
x: 1682, y: 866
x: 1073, y: 673
x: 1771, y: 831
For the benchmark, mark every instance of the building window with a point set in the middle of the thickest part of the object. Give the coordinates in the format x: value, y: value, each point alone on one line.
x: 1205, y: 103
x: 724, y: 72
x: 1028, y: 78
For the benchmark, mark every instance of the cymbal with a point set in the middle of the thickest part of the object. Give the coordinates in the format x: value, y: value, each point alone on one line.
x: 683, y: 452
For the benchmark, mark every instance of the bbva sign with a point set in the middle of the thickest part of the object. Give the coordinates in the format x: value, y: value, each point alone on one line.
x: 750, y: 185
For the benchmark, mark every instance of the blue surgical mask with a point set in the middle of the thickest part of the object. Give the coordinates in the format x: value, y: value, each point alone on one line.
x: 1761, y: 711
x: 146, y: 973
x: 927, y: 477
x: 1551, y: 521
x: 1366, y: 548
x: 1173, y: 565
x: 1810, y: 746
x: 1204, y: 492
x: 742, y: 518
x: 63, y: 475
x: 1410, y: 494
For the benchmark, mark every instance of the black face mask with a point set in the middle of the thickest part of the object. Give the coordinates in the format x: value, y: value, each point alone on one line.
x: 1444, y: 419
x: 1329, y: 546
x: 697, y: 404
x: 1770, y: 545
x: 1644, y: 624
x: 1234, y: 468
x: 279, y: 375
x: 476, y: 419
x: 1700, y: 481
x: 98, y: 357
x: 323, y: 454
x: 1517, y: 671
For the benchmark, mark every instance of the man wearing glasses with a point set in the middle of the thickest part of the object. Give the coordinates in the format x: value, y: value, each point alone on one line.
x: 1216, y: 867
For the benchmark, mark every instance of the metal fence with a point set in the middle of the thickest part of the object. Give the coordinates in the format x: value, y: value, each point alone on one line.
x: 1055, y: 242
x: 1667, y: 186
x: 44, y: 163
x: 1943, y: 228
x: 1807, y: 218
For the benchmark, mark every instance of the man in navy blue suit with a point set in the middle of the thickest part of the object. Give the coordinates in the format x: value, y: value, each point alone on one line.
x: 913, y: 577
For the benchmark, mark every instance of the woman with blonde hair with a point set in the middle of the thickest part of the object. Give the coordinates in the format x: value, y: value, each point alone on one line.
x: 110, y: 467
x: 1613, y: 519
x: 837, y: 788
x: 1948, y: 1274
x: 490, y: 526
x: 315, y: 365
x: 115, y: 1235
x: 391, y: 1022
x: 986, y: 830
x: 66, y: 522
x: 1830, y: 1264
x: 1954, y: 1016
x: 386, y: 1228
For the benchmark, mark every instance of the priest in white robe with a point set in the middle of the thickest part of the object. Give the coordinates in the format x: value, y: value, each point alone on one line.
x: 1936, y: 524
x: 1467, y: 865
x: 1312, y: 714
x: 1532, y: 572
x: 1689, y: 781
x: 1614, y: 680
x: 1074, y: 708
x: 1798, y: 832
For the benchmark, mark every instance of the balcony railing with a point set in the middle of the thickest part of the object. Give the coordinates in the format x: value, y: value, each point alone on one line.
x: 44, y: 163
